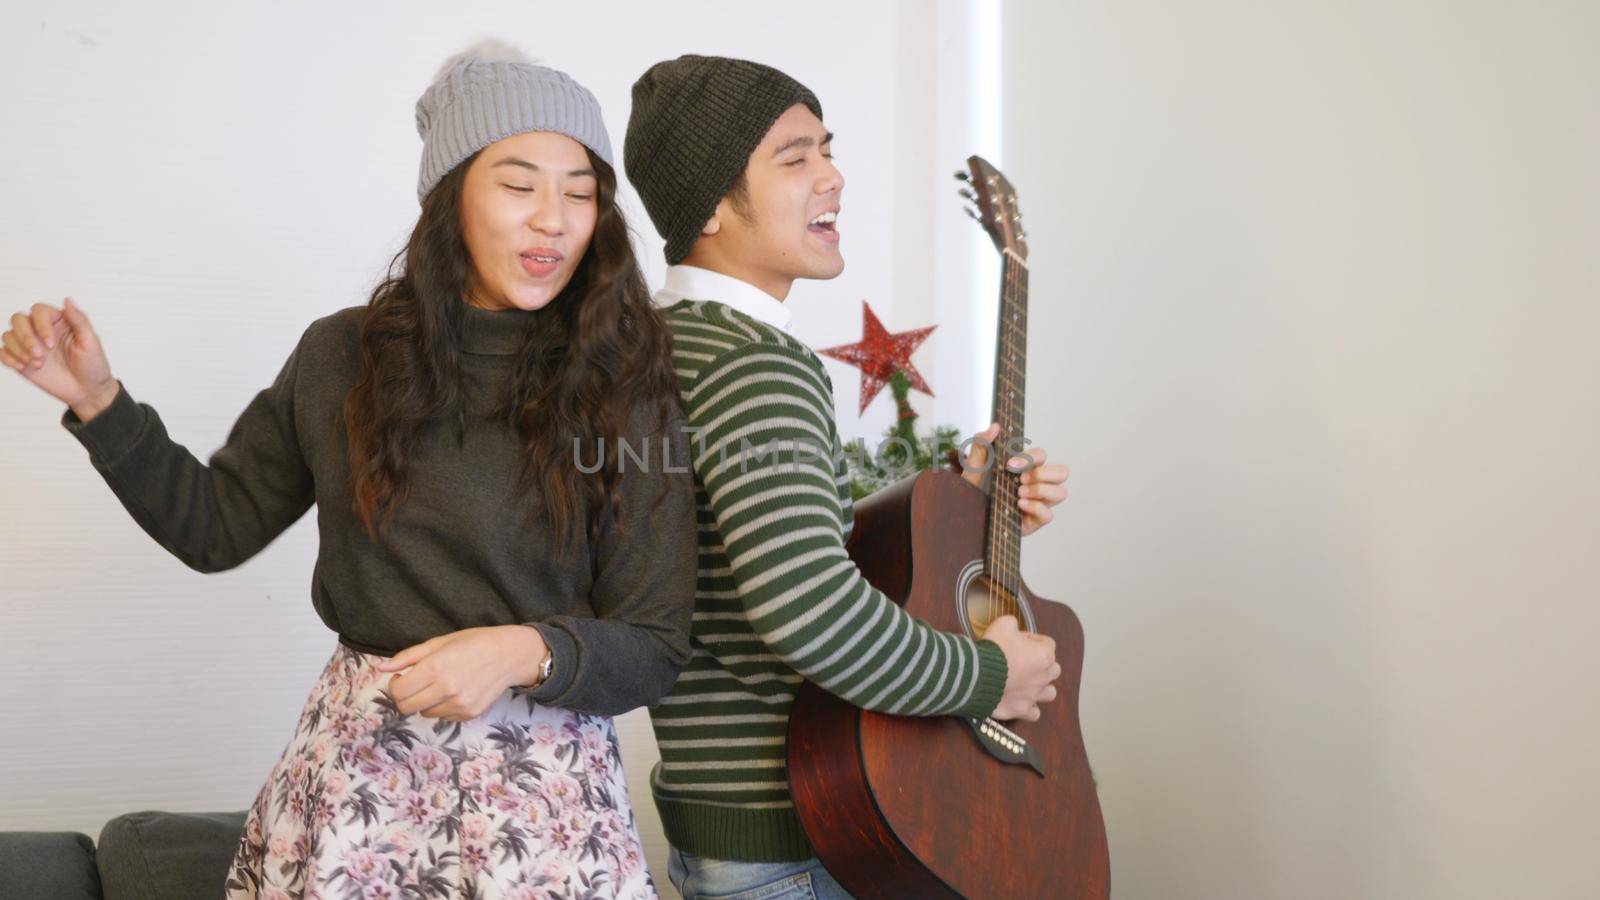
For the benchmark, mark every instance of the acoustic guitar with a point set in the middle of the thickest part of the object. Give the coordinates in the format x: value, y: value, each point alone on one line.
x: 941, y: 807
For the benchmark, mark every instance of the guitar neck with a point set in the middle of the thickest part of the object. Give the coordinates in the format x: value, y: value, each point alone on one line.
x: 1003, y: 558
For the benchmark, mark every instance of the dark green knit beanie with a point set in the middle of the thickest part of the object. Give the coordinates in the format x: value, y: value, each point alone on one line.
x: 695, y: 122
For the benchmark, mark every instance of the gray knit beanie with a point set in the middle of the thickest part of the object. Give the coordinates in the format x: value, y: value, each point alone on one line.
x: 490, y: 92
x: 694, y: 124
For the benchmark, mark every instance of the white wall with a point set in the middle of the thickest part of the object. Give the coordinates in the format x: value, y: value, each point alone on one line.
x: 207, y: 180
x: 1314, y: 306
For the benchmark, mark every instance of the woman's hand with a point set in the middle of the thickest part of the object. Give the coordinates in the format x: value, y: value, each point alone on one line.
x: 458, y: 676
x: 58, y: 350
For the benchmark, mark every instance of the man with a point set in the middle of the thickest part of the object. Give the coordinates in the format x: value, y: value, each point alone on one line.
x: 735, y: 169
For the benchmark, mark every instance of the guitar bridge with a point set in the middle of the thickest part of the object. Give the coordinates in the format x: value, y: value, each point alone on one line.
x: 1004, y: 744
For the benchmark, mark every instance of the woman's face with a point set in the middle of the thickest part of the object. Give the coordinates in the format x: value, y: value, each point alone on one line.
x: 528, y: 210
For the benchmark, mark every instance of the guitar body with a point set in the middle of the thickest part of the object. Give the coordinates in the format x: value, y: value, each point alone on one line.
x: 900, y: 806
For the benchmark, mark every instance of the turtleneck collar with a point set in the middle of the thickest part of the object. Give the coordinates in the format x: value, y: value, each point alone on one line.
x: 496, y: 332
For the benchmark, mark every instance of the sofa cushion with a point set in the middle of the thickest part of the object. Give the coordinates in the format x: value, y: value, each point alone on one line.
x: 58, y: 865
x: 168, y: 856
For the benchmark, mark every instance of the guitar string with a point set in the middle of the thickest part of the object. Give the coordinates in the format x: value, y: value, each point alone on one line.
x: 1008, y: 531
x: 1018, y: 357
x: 997, y: 553
x: 1005, y: 517
x: 1013, y: 522
x: 1003, y: 511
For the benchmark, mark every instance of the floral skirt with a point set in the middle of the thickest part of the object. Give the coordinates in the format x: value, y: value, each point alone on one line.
x: 522, y: 802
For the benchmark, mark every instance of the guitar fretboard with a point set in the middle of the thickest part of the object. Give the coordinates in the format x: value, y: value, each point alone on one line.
x: 1003, y: 558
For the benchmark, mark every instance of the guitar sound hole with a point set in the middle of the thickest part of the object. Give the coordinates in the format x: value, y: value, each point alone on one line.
x: 982, y: 601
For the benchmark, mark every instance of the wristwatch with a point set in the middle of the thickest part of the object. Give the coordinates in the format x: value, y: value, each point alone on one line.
x: 546, y: 667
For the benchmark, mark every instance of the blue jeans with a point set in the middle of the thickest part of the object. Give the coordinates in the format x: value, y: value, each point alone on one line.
x: 702, y: 878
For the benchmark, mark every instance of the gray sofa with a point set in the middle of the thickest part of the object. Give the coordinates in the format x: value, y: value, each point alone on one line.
x: 140, y: 856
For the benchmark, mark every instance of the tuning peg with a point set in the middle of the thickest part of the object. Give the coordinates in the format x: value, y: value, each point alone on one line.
x: 968, y: 195
x: 972, y: 215
x: 964, y: 176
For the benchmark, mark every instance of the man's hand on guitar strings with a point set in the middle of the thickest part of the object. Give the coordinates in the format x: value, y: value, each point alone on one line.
x: 1042, y: 486
x: 1031, y: 668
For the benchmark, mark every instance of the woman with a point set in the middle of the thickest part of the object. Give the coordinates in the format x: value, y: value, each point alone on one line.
x: 497, y: 594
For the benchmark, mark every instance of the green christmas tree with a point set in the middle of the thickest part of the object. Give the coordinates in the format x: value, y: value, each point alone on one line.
x: 902, y: 453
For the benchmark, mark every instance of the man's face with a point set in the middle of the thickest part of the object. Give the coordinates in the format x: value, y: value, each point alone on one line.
x: 785, y: 229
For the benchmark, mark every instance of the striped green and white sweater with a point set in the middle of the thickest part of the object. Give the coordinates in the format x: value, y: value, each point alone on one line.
x: 777, y: 600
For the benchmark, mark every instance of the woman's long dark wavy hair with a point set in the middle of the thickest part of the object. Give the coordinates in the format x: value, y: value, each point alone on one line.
x: 595, y: 352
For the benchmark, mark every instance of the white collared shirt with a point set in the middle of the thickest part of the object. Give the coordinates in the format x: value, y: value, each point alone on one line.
x: 695, y: 283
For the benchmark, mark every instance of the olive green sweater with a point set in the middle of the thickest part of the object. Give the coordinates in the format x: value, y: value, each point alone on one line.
x: 464, y: 550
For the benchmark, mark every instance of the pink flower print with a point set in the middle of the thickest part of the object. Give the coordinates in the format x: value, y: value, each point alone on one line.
x: 326, y: 800
x: 558, y: 835
x: 474, y: 856
x: 560, y: 789
x: 401, y: 839
x: 367, y: 757
x: 379, y: 890
x: 327, y: 811
x: 591, y: 736
x: 438, y: 800
x: 471, y: 775
x: 614, y: 822
x: 415, y: 809
x: 363, y: 865
x: 430, y: 764
x: 297, y: 801
x: 531, y: 811
x: 496, y: 790
x: 631, y: 862
x: 474, y: 825
x: 395, y: 782
x: 555, y: 870
x: 336, y: 785
x: 343, y: 726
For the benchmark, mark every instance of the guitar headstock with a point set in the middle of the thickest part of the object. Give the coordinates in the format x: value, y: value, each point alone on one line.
x: 996, y: 206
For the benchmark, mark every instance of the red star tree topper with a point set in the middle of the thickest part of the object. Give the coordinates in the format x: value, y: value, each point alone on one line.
x: 880, y: 354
